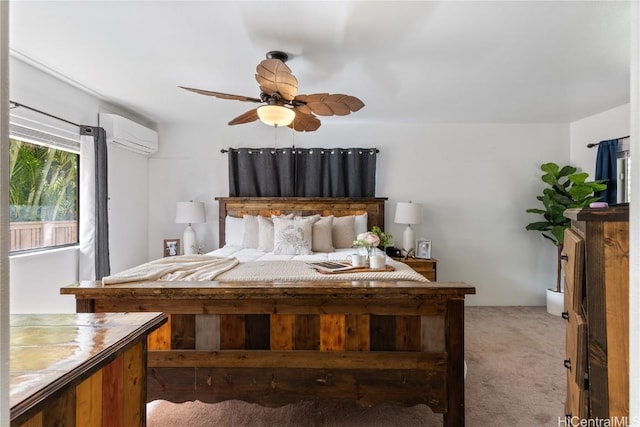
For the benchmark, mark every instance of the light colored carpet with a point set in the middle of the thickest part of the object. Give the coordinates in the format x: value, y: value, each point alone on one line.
x: 515, y: 378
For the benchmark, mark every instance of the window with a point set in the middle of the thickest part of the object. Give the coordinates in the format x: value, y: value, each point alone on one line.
x: 43, y: 191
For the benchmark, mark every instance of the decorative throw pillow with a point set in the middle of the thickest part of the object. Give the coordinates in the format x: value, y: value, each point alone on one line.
x: 265, y: 232
x: 250, y: 239
x: 343, y: 233
x: 233, y: 231
x: 322, y: 235
x: 360, y: 225
x: 292, y: 236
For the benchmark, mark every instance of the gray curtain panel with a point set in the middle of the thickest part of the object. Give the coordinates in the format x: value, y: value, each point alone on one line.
x: 336, y: 172
x: 308, y: 172
x: 261, y: 172
x: 102, y: 263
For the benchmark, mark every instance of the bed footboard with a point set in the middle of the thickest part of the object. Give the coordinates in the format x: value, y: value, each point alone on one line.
x: 275, y: 344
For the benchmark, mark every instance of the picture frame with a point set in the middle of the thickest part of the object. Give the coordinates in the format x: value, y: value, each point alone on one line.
x: 171, y: 247
x: 423, y: 248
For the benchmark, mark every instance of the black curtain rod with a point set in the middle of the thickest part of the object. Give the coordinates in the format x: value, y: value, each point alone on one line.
x: 595, y: 144
x: 17, y: 104
x: 224, y: 150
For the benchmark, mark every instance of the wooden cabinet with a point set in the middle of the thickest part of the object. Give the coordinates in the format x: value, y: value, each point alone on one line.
x: 426, y: 267
x: 596, y: 267
x: 80, y: 369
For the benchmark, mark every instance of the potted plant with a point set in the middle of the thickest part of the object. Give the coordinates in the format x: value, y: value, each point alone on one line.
x: 565, y: 189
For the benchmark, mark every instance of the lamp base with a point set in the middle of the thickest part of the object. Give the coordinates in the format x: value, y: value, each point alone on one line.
x: 408, y: 239
x: 189, y: 241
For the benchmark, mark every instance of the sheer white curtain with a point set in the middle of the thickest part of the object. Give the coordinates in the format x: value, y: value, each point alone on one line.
x: 94, y: 221
x: 87, y: 227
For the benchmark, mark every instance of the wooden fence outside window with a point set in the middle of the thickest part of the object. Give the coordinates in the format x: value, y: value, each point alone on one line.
x: 38, y: 234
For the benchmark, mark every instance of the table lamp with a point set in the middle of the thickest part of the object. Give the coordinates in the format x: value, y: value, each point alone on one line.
x: 408, y: 213
x: 189, y: 213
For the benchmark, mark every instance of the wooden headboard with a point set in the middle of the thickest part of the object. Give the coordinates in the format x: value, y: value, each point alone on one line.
x: 303, y: 206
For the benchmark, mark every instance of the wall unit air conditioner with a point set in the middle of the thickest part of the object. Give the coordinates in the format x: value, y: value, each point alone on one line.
x: 129, y: 134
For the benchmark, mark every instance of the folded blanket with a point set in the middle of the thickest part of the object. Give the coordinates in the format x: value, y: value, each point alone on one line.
x: 182, y: 267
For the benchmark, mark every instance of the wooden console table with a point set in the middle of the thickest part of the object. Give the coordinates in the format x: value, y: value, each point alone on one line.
x: 77, y: 369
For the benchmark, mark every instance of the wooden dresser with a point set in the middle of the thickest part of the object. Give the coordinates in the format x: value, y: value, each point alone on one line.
x: 80, y: 369
x: 596, y: 267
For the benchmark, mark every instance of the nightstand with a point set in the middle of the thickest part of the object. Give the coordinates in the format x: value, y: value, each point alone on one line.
x: 426, y: 267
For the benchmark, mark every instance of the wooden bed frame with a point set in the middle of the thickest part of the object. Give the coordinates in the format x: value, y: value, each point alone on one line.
x: 276, y: 343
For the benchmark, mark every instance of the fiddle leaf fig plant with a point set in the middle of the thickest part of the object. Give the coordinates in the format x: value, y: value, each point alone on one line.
x: 566, y: 189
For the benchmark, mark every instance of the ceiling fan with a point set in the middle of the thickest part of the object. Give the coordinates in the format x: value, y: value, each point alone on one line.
x: 282, y: 104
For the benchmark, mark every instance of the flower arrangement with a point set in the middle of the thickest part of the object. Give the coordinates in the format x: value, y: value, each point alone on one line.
x: 367, y: 240
x: 372, y: 239
x: 385, y: 238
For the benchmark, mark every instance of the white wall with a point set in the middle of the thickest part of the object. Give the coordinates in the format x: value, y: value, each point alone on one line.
x: 475, y: 181
x: 128, y: 208
x: 36, y: 279
x: 606, y: 125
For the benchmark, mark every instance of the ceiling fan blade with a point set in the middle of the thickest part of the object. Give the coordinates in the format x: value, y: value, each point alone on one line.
x: 326, y: 104
x: 248, y: 117
x: 273, y: 76
x: 304, y: 122
x: 222, y: 95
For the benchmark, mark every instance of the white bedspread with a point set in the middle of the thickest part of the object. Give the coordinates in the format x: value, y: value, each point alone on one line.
x: 256, y: 266
x: 234, y: 264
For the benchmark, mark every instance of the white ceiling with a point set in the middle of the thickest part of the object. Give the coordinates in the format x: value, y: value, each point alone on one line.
x: 424, y: 62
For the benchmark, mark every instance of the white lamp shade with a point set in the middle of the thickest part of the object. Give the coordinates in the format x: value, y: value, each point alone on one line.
x: 276, y: 115
x: 408, y: 213
x: 190, y: 212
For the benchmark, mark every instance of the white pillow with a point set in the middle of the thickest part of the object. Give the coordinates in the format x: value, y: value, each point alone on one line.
x: 233, y: 231
x: 292, y: 236
x: 265, y: 232
x: 360, y: 225
x: 251, y: 228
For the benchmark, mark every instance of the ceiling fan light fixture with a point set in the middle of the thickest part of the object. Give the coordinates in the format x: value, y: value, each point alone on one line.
x: 276, y: 115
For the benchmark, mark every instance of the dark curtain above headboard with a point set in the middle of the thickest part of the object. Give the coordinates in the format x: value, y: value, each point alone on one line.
x: 302, y: 172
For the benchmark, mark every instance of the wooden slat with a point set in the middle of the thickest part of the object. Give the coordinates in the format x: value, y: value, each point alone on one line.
x: 383, y: 306
x: 256, y: 330
x: 277, y: 387
x: 134, y: 386
x: 207, y: 332
x: 358, y: 332
x: 408, y: 336
x: 433, y: 333
x: 294, y: 359
x: 183, y: 331
x: 307, y: 332
x: 232, y: 331
x: 113, y: 393
x: 35, y: 421
x: 62, y: 411
x: 332, y: 332
x: 616, y: 264
x: 383, y: 329
x: 160, y: 339
x: 454, y: 324
x: 89, y: 401
x: 282, y: 331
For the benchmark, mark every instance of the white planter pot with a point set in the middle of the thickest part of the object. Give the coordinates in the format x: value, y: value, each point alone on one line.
x: 555, y: 302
